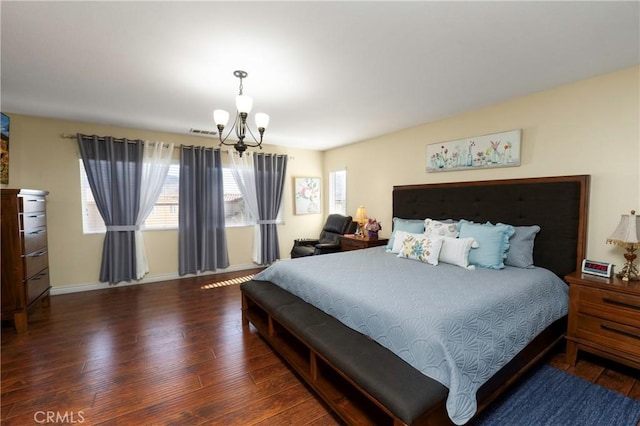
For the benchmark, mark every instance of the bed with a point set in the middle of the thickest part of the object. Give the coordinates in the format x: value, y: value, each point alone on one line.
x: 371, y: 377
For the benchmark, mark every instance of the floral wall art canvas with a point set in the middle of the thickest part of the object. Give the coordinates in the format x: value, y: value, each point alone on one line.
x: 307, y: 195
x: 495, y: 150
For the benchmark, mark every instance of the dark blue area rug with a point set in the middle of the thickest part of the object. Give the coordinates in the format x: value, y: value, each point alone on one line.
x: 551, y: 397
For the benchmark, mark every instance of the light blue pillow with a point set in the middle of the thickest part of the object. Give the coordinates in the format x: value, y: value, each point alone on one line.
x: 520, y: 253
x: 413, y: 226
x: 493, y: 243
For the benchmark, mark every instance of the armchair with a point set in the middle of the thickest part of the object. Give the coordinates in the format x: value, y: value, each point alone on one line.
x: 329, y: 241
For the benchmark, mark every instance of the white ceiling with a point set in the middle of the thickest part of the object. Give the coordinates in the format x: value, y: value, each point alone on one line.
x: 328, y: 73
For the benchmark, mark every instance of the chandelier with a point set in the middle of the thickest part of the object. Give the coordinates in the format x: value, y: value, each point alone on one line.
x: 243, y: 107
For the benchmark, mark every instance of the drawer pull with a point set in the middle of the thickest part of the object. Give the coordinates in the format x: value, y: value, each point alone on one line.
x: 34, y: 216
x: 37, y: 232
x: 37, y: 254
x: 37, y: 277
x: 619, y: 303
x: 624, y: 332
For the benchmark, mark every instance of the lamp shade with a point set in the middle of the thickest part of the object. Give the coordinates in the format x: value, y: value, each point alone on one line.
x: 244, y: 103
x: 627, y: 230
x: 361, y: 215
x: 220, y: 117
x: 262, y: 120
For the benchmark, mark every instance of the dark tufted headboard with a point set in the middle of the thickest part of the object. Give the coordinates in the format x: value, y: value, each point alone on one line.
x: 557, y: 204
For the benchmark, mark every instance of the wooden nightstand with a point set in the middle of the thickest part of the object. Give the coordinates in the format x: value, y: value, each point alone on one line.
x: 604, y: 318
x: 351, y: 242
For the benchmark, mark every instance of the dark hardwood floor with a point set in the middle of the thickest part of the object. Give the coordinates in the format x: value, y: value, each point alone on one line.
x: 170, y: 353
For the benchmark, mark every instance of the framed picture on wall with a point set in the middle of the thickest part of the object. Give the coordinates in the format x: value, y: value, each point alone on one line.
x: 4, y: 151
x: 306, y: 195
x: 480, y: 152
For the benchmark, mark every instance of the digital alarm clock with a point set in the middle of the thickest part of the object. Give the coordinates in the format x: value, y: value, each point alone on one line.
x: 593, y: 267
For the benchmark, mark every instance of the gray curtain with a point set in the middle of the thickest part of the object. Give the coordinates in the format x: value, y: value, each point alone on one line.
x: 114, y: 171
x: 202, y: 241
x: 270, y: 171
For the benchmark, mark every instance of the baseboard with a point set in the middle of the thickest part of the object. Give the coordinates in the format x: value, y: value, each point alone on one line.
x: 56, y: 290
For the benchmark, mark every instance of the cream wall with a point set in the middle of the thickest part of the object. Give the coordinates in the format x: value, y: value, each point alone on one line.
x: 41, y: 159
x: 589, y: 127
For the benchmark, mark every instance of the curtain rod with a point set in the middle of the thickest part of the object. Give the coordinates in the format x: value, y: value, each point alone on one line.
x: 102, y: 138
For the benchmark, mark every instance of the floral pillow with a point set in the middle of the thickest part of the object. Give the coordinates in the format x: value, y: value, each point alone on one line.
x: 424, y: 249
x: 437, y: 228
x: 399, y: 239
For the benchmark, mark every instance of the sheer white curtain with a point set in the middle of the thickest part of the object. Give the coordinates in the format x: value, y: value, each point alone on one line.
x: 244, y: 175
x: 155, y: 166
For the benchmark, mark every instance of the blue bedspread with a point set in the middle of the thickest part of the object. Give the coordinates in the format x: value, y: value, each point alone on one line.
x: 456, y: 326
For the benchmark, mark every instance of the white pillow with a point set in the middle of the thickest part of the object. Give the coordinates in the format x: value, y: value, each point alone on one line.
x: 424, y: 249
x: 456, y: 251
x: 399, y: 238
x: 436, y: 228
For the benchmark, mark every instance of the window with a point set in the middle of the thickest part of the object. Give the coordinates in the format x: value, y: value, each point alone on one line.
x: 236, y: 212
x: 163, y: 216
x: 165, y: 213
x: 338, y: 192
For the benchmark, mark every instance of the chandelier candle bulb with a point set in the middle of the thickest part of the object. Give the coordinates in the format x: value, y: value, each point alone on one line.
x: 221, y: 117
x: 262, y: 120
x: 244, y: 103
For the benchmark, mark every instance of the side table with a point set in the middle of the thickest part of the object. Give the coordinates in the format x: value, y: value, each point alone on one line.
x: 352, y: 242
x: 604, y: 318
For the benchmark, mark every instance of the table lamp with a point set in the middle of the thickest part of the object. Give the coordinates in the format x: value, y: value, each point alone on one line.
x: 627, y: 235
x: 361, y: 218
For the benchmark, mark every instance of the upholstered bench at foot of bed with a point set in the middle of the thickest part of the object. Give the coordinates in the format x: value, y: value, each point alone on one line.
x: 388, y: 380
